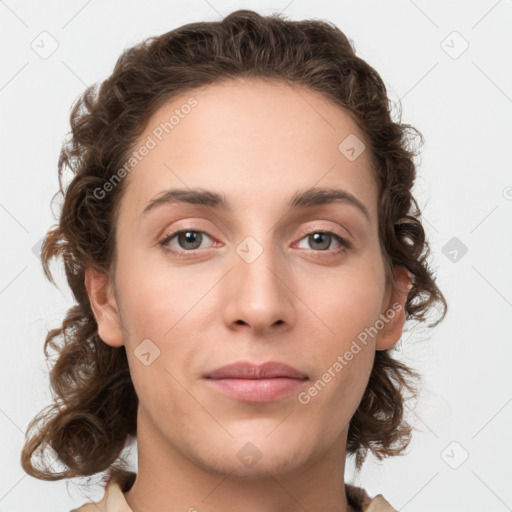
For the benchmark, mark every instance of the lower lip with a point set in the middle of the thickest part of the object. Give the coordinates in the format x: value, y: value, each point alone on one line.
x: 257, y: 390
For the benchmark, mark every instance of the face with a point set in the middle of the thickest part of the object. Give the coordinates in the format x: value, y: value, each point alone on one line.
x: 249, y: 264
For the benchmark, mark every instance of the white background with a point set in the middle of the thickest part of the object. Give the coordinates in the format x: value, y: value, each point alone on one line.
x: 462, y: 104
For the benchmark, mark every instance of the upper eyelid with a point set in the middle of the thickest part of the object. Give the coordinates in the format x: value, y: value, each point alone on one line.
x: 304, y: 232
x: 193, y: 226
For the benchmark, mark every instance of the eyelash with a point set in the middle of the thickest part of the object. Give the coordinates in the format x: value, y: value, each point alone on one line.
x: 345, y: 244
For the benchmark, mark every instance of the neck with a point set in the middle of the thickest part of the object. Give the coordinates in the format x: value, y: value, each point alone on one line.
x: 168, y: 480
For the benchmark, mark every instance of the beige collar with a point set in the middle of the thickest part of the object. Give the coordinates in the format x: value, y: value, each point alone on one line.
x: 114, y: 501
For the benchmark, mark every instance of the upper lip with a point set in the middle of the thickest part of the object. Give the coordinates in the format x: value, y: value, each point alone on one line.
x: 247, y: 370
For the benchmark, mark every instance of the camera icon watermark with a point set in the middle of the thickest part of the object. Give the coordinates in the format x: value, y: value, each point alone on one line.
x: 249, y: 249
x: 147, y: 352
x: 249, y: 455
x: 454, y: 249
x: 454, y: 45
x: 351, y: 147
x: 45, y: 45
x: 455, y: 455
x: 36, y: 248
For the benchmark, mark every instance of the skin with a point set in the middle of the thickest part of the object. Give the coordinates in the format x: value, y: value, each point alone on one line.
x: 300, y: 302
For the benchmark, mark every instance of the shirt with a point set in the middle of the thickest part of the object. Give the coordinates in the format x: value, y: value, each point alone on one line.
x: 114, y: 501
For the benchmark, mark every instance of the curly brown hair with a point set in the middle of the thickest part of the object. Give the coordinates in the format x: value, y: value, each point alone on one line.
x: 93, y: 416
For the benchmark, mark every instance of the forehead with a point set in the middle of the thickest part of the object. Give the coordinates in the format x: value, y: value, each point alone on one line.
x: 250, y: 140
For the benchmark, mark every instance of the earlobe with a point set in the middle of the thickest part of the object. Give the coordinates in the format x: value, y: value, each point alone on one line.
x: 395, y: 311
x: 104, y: 307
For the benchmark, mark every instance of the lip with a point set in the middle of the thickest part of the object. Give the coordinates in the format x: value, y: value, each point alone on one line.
x: 247, y: 370
x: 249, y: 382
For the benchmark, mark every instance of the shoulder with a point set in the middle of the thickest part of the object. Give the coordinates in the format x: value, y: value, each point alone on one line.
x: 113, y: 499
x: 360, y: 501
x: 87, y: 507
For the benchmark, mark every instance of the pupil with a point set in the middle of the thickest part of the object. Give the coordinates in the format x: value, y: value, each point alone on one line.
x: 190, y: 237
x: 317, y: 237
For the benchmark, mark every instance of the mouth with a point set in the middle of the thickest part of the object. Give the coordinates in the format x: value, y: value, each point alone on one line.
x: 249, y: 382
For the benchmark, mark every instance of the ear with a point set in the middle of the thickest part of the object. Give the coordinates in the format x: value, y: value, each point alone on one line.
x: 394, y: 312
x: 104, y: 306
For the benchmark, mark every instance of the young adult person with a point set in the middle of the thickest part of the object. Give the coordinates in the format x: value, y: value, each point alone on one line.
x: 244, y: 248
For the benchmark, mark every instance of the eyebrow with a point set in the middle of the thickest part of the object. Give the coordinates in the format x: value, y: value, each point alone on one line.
x: 301, y: 200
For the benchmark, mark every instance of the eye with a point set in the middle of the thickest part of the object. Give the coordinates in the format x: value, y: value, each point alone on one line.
x: 188, y: 240
x: 191, y: 239
x: 321, y: 240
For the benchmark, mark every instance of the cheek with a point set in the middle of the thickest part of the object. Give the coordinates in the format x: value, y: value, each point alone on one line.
x: 343, y: 363
x: 156, y: 296
x: 160, y: 307
x: 344, y: 359
x: 155, y: 320
x: 349, y: 304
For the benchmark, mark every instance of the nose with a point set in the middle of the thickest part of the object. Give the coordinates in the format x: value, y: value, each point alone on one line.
x: 258, y: 295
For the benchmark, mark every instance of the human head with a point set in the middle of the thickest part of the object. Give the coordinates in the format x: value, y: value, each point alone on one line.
x: 107, y: 126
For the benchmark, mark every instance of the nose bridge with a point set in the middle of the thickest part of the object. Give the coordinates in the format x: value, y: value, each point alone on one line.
x: 258, y: 296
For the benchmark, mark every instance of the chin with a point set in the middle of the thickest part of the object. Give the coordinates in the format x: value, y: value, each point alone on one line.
x: 251, y: 464
x: 258, y: 455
